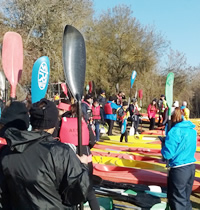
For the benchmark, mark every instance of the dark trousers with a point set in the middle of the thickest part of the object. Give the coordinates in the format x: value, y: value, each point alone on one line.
x: 180, y: 182
x: 111, y: 125
x: 125, y: 134
x: 136, y: 122
x: 152, y: 123
x: 122, y: 136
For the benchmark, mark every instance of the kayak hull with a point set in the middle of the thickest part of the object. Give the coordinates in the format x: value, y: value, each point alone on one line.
x: 134, y: 176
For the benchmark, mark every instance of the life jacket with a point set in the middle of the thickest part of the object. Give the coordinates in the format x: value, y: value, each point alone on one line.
x: 96, y: 113
x: 108, y: 108
x: 121, y: 114
x: 69, y: 131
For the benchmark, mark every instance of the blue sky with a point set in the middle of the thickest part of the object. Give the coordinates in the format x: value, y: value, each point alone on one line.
x: 177, y: 20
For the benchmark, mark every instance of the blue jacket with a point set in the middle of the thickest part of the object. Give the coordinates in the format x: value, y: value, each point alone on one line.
x: 180, y: 144
x: 112, y: 116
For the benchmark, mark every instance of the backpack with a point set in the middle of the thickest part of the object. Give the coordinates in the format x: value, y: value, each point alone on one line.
x: 120, y: 112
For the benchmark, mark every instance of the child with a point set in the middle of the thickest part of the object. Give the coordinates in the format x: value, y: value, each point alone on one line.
x: 123, y: 115
x: 96, y: 116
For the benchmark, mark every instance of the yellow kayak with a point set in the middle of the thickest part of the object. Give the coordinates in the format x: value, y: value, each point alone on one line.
x: 124, y: 154
x: 134, y: 164
x: 133, y: 145
x: 136, y: 138
x: 124, y: 144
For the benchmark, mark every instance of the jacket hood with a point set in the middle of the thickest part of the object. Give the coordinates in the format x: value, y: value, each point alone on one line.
x: 185, y: 124
x: 20, y: 140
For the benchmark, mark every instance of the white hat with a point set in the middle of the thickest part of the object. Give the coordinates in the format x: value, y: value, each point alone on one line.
x: 176, y: 104
x: 184, y: 103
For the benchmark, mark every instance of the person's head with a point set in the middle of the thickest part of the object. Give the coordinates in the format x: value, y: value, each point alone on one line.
x: 184, y: 103
x: 134, y: 100
x: 15, y: 115
x: 120, y: 93
x: 162, y: 97
x: 177, y: 115
x: 112, y: 98
x: 44, y: 115
x: 125, y: 104
x: 73, y: 108
x: 102, y: 92
x: 95, y: 102
x: 62, y: 108
x: 88, y: 98
x: 154, y: 101
x: 176, y: 104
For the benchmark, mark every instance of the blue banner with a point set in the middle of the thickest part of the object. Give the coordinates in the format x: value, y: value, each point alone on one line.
x: 40, y: 78
x: 133, y: 76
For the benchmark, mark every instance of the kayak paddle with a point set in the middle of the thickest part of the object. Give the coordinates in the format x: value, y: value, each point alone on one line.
x: 12, y: 59
x: 90, y: 87
x: 140, y: 94
x: 133, y: 76
x: 74, y: 62
x: 169, y: 99
x: 40, y: 78
x: 169, y: 95
x: 64, y: 88
x: 2, y: 83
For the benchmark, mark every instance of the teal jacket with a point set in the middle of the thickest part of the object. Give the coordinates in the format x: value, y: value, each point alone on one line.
x: 180, y: 144
x: 114, y: 106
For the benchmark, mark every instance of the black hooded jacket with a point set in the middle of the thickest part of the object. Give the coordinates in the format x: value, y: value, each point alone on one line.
x: 38, y: 172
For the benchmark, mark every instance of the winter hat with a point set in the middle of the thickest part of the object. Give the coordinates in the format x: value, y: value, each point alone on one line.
x: 44, y: 114
x: 162, y: 96
x: 16, y: 115
x: 176, y: 104
x: 184, y: 103
x: 102, y: 91
x: 125, y: 103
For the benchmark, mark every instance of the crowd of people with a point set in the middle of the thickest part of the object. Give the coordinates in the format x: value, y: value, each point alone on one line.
x: 40, y: 167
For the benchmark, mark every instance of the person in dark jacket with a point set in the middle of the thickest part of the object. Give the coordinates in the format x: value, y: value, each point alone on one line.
x: 91, y: 198
x: 86, y: 106
x: 38, y: 172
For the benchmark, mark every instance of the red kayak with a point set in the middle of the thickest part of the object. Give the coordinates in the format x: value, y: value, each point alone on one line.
x: 128, y: 149
x: 144, y: 151
x: 127, y: 156
x: 135, y: 176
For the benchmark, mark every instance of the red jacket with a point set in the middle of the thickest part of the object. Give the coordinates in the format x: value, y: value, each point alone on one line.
x: 96, y: 113
x: 151, y: 110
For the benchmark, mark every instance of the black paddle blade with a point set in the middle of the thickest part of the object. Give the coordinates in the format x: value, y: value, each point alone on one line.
x: 74, y: 60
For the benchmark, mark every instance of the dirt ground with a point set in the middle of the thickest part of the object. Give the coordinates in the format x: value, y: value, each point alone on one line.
x: 195, y: 197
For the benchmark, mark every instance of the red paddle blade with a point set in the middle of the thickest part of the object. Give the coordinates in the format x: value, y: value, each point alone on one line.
x: 90, y: 86
x: 64, y: 88
x: 12, y: 59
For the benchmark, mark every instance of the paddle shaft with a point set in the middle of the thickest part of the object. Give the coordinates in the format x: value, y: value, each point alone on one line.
x: 79, y: 127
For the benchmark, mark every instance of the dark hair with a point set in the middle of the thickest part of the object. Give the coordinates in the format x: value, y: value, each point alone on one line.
x: 154, y: 100
x: 177, y: 115
x: 111, y: 98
